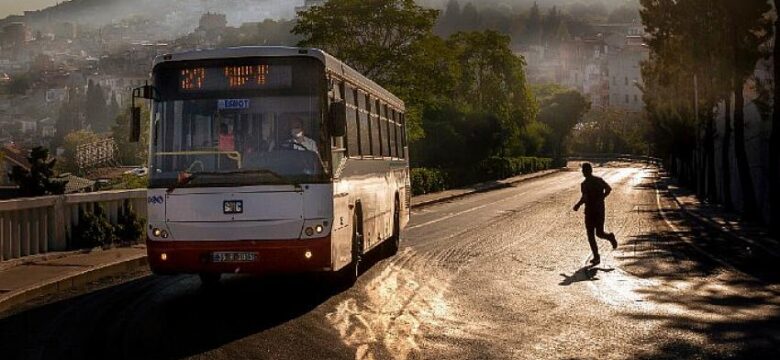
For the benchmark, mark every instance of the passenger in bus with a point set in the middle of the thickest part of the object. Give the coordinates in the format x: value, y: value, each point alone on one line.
x: 227, y: 141
x: 299, y: 140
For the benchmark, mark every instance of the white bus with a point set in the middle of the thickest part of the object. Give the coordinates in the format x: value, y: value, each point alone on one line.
x: 271, y: 159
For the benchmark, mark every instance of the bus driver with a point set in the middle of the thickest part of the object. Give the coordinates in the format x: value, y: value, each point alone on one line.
x: 299, y: 140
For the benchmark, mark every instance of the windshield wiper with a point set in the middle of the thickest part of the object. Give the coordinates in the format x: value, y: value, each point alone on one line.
x: 265, y: 171
x: 186, y: 178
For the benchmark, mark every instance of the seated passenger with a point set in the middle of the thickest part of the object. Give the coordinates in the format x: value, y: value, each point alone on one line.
x: 226, y: 139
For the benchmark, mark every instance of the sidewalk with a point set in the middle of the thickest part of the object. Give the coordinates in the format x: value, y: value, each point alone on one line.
x: 22, y: 280
x: 39, y: 276
x: 714, y: 216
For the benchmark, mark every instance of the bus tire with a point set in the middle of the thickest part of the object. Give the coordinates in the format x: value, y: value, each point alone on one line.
x: 394, y: 242
x: 209, y: 280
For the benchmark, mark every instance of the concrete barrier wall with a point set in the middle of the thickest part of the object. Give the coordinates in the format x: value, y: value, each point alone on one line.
x: 44, y: 224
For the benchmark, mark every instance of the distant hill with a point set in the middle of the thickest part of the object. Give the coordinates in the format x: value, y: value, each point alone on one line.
x: 94, y: 13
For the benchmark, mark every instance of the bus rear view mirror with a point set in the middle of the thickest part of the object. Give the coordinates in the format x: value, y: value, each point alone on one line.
x: 338, y: 118
x: 144, y: 92
x: 135, y: 124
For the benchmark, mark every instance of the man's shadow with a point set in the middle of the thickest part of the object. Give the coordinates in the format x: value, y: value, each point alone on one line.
x: 587, y: 273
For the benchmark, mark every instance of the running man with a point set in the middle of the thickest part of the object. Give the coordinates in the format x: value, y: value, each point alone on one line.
x: 594, y: 191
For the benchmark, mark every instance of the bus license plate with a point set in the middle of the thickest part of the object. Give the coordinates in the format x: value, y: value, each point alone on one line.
x: 232, y: 257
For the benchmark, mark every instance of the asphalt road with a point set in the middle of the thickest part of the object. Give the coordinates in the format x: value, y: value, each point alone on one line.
x: 497, y: 275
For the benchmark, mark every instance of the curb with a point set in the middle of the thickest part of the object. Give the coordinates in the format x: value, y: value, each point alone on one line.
x: 497, y: 185
x: 718, y: 227
x: 71, y: 281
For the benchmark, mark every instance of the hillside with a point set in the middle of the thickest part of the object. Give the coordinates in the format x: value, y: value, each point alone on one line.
x: 185, y: 13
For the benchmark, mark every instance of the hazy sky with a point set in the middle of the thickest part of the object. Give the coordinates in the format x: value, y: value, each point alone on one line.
x: 9, y: 7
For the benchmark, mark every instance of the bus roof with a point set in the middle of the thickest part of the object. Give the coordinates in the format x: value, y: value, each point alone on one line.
x: 332, y: 64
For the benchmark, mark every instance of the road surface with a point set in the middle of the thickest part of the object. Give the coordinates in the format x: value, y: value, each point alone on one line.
x: 497, y: 275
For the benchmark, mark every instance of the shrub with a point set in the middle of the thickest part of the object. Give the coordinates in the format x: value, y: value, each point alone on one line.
x: 93, y: 230
x: 130, y: 227
x: 501, y: 167
x: 427, y: 180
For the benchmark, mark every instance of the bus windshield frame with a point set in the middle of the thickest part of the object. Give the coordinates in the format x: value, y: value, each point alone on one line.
x: 240, y: 122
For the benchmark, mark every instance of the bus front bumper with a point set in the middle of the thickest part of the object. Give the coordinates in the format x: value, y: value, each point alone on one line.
x: 271, y: 256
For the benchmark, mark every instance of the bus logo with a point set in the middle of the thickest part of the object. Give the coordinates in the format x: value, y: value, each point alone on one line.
x: 233, y: 104
x: 155, y: 200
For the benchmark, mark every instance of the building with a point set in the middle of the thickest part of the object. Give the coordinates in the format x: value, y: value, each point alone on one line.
x: 14, y: 35
x: 308, y: 4
x: 624, y: 66
x: 212, y: 22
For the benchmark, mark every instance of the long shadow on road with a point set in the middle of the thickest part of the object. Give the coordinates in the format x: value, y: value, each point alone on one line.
x: 166, y: 317
x: 708, y: 309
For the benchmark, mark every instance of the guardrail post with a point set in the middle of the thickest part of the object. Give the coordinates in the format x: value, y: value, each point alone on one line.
x: 58, y: 228
x: 7, y: 236
x: 16, y: 239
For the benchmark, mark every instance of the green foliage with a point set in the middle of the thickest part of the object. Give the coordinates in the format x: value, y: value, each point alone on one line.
x: 130, y: 226
x: 129, y: 153
x: 130, y: 181
x: 97, y: 110
x: 501, y: 167
x: 467, y: 96
x: 561, y: 110
x: 719, y: 43
x: 93, y: 230
x: 372, y: 36
x: 69, y: 118
x: 611, y: 132
x: 426, y: 180
x: 40, y: 179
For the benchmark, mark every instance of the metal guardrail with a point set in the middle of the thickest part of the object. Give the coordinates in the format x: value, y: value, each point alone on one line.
x: 615, y: 157
x: 44, y: 224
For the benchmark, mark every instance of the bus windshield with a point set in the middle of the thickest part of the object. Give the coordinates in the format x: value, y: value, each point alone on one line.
x: 238, y: 123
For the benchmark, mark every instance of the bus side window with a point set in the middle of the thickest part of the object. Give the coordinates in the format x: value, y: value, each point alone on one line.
x: 400, y: 129
x: 393, y: 136
x: 353, y: 134
x: 376, y: 132
x: 387, y: 131
x: 365, y: 134
x: 402, y: 141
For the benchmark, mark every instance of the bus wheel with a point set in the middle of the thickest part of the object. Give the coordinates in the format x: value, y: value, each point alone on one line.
x: 394, y: 243
x: 209, y: 280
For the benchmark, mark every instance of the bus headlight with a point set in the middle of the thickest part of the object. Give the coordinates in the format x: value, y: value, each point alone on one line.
x: 309, y: 231
x: 318, y: 229
x: 160, y: 233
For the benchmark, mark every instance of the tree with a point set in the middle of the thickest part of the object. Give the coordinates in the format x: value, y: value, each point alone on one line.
x: 39, y: 180
x: 469, y: 18
x: 96, y: 109
x: 749, y: 30
x: 560, y: 110
x: 131, y: 153
x: 69, y: 118
x: 709, y: 49
x: 774, y: 142
x: 372, y: 36
x: 450, y: 19
x: 491, y: 79
x: 534, y: 26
